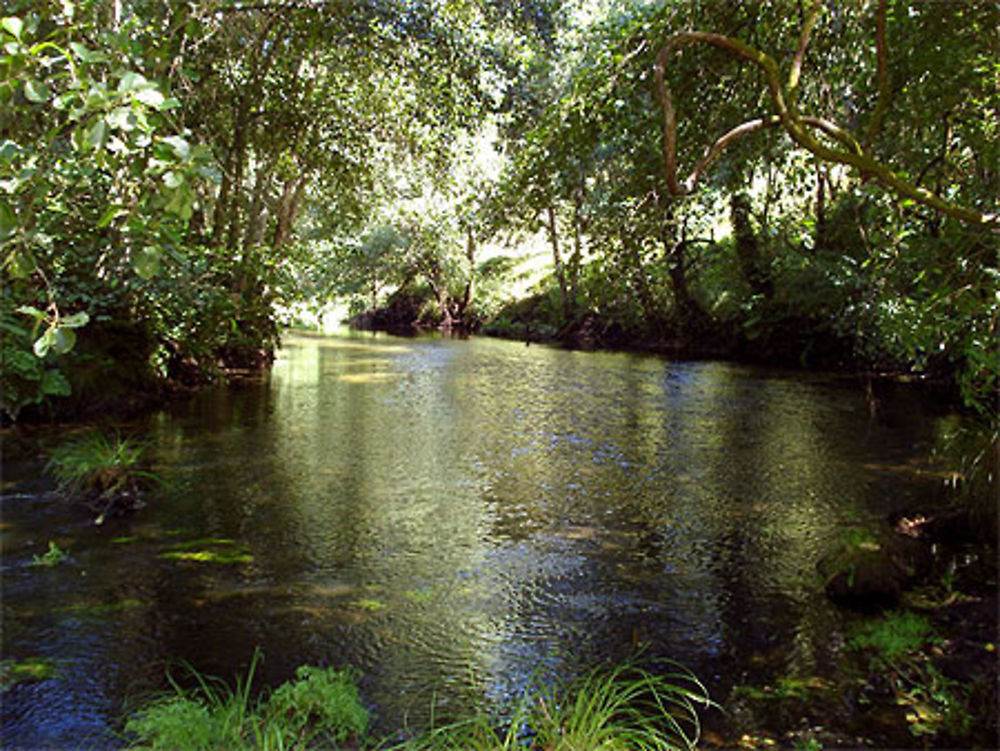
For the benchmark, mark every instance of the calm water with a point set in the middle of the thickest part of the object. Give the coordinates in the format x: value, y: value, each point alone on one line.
x: 451, y: 518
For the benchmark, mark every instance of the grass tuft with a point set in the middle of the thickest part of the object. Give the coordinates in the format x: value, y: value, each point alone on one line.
x: 623, y: 708
x: 320, y: 706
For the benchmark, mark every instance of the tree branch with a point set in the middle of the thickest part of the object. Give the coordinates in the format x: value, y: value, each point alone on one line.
x: 796, y: 72
x: 793, y: 124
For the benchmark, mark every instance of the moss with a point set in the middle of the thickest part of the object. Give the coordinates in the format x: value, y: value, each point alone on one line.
x: 896, y: 634
x: 53, y: 557
x: 31, y: 669
x: 784, y: 688
x: 209, y: 556
x: 220, y: 550
x: 104, y: 609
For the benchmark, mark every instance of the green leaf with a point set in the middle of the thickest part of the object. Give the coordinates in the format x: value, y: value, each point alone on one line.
x: 180, y: 146
x: 36, y: 91
x: 86, y: 55
x: 97, y: 133
x: 54, y: 383
x: 132, y: 81
x: 181, y: 203
x: 44, y: 343
x: 13, y: 26
x: 76, y: 320
x: 8, y: 220
x: 20, y: 264
x: 147, y: 263
x: 30, y: 311
x: 108, y: 216
x: 63, y: 340
x: 150, y: 97
x: 173, y: 179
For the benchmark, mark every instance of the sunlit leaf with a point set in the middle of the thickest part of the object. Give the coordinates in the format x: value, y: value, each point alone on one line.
x: 180, y: 146
x: 173, y: 179
x: 13, y: 26
x: 76, y: 320
x: 28, y: 310
x: 44, y: 343
x: 147, y: 263
x: 97, y: 133
x: 36, y: 91
x: 150, y: 97
x: 132, y: 81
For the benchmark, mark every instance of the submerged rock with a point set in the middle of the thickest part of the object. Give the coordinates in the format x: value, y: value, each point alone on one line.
x: 872, y: 570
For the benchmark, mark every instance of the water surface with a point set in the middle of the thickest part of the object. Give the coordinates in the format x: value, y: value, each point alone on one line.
x: 453, y: 517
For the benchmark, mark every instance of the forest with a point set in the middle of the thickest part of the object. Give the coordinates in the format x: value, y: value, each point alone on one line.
x: 788, y: 182
x: 810, y: 186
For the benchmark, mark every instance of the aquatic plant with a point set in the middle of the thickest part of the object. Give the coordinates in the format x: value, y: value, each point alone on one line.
x: 320, y: 705
x: 209, y: 550
x: 625, y: 707
x: 108, y: 471
x: 31, y: 669
x: 894, y: 635
x: 933, y: 702
x: 53, y: 557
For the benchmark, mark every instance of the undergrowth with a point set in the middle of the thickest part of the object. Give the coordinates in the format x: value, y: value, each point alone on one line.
x: 625, y: 707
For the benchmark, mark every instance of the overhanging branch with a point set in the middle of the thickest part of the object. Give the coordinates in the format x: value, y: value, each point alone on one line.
x: 788, y: 117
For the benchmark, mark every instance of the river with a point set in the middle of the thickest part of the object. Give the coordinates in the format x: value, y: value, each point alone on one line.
x: 452, y: 519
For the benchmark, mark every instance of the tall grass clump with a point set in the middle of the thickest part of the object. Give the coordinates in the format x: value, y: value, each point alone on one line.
x: 318, y: 708
x: 104, y: 471
x: 625, y: 708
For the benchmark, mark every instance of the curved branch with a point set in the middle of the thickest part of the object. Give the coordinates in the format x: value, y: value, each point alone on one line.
x: 796, y: 72
x: 751, y: 126
x: 792, y: 122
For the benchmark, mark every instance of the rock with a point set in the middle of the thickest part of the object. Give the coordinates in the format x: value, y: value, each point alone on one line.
x: 873, y: 570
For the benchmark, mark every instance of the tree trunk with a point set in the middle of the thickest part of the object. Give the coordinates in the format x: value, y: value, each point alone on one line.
x: 748, y: 252
x: 470, y: 285
x: 288, y: 209
x: 638, y: 274
x: 557, y: 260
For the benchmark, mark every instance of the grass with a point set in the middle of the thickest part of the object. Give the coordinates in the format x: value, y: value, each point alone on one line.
x: 105, y: 468
x: 933, y: 702
x: 318, y: 707
x: 625, y: 707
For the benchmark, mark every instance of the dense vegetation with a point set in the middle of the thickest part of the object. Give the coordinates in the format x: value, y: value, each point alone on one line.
x: 179, y: 176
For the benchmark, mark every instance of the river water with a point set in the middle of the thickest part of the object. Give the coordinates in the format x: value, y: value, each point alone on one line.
x: 453, y: 519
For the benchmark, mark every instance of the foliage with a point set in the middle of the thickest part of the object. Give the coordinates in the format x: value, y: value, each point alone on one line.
x: 210, y: 550
x: 320, y: 698
x: 935, y: 703
x: 318, y: 705
x: 173, y: 172
x: 99, y: 464
x: 625, y: 707
x: 52, y: 557
x: 894, y: 635
x: 32, y: 669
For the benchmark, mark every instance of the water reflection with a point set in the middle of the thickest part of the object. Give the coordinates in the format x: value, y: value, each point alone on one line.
x: 453, y: 517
